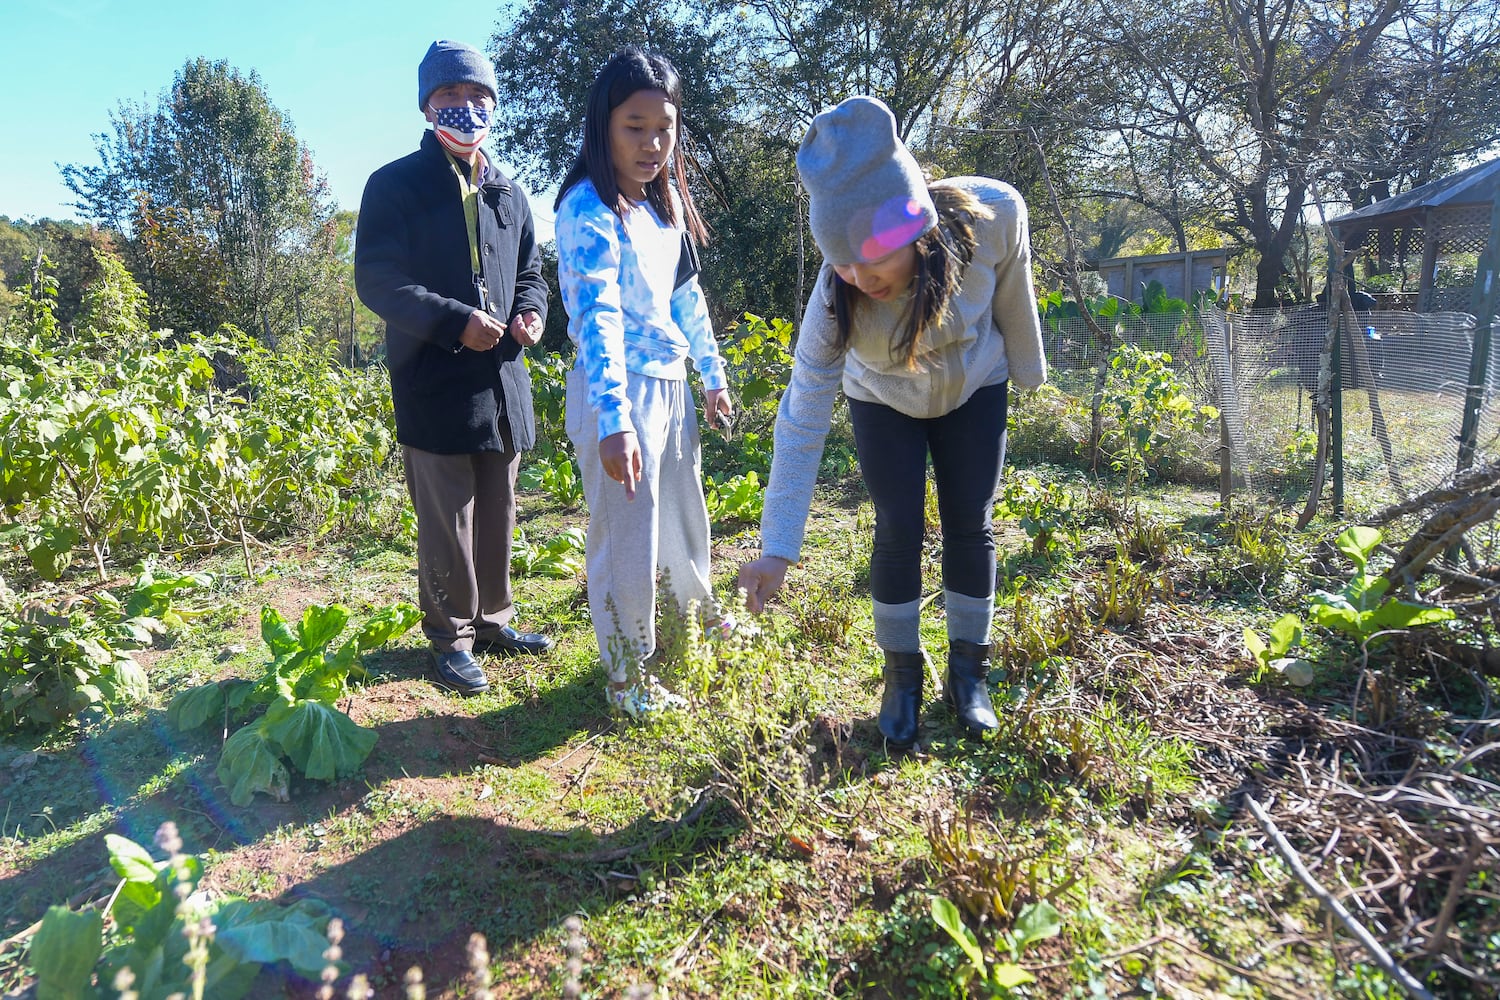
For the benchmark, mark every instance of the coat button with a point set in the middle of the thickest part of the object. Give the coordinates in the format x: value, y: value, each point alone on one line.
x: 486, y: 248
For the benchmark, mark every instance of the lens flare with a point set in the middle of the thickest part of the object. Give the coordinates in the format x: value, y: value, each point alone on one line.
x: 892, y: 226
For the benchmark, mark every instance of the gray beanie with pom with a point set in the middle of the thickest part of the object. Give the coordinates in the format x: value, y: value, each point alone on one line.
x: 453, y: 62
x: 866, y: 194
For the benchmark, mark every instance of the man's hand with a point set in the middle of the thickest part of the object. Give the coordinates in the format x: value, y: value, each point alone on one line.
x: 526, y: 328
x: 760, y: 579
x: 718, y: 409
x: 621, y: 455
x: 483, y: 332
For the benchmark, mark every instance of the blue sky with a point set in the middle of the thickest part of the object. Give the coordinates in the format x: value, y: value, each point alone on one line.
x: 345, y: 72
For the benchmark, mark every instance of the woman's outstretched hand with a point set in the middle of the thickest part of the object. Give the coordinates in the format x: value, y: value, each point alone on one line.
x: 760, y: 579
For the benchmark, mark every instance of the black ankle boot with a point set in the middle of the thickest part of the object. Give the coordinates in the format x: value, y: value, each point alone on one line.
x: 967, y: 691
x: 901, y: 703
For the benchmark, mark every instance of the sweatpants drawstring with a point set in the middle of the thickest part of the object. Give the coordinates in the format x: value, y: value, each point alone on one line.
x: 678, y: 416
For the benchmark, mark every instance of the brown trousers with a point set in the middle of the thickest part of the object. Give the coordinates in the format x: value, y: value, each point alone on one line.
x: 466, y: 519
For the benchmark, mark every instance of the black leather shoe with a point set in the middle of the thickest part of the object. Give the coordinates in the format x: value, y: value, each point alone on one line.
x: 901, y: 702
x: 459, y: 671
x: 967, y: 691
x: 511, y: 641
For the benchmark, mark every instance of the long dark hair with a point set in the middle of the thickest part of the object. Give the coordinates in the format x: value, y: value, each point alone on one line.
x: 943, y: 255
x: 630, y: 70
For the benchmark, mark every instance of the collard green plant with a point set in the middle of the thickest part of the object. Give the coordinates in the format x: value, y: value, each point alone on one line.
x: 739, y: 499
x: 1286, y: 633
x: 283, y: 451
x: 557, y: 476
x: 159, y: 921
x: 303, y: 682
x: 56, y: 661
x: 559, y: 557
x: 1035, y: 922
x: 549, y: 392
x: 1361, y: 608
x: 1045, y: 512
x: 1148, y: 409
x: 90, y: 457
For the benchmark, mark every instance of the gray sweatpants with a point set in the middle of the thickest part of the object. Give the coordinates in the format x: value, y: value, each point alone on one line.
x: 664, y: 529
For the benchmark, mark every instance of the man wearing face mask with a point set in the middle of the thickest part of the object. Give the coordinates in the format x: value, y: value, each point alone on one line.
x: 446, y: 254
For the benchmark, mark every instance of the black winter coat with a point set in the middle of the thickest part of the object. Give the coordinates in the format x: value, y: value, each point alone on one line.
x: 412, y: 268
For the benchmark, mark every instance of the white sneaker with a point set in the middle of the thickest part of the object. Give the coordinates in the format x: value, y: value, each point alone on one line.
x: 643, y: 699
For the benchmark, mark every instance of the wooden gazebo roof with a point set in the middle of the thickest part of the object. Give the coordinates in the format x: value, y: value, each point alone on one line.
x: 1479, y: 186
x: 1453, y: 215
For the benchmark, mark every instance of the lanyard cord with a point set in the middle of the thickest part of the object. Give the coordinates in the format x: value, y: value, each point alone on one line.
x: 468, y: 188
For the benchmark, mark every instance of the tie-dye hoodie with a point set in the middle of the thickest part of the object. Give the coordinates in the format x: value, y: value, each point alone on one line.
x: 623, y: 315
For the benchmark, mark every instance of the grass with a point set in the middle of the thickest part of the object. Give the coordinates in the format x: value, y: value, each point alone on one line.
x: 759, y: 842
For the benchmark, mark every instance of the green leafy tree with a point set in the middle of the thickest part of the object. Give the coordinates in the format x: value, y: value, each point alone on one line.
x: 175, y: 256
x: 358, y: 331
x: 753, y: 75
x: 69, y: 249
x: 1434, y: 105
x: 214, y: 165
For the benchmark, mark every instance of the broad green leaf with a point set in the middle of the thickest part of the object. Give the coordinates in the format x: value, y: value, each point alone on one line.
x: 326, y: 682
x: 195, y: 706
x: 947, y: 917
x: 1010, y: 976
x: 264, y: 932
x: 323, y: 742
x: 1036, y: 922
x: 386, y: 624
x: 1404, y: 614
x: 1344, y: 618
x: 1364, y: 591
x: 138, y: 631
x: 321, y: 624
x: 251, y: 764
x: 1253, y: 643
x: 130, y: 860
x: 134, y: 901
x: 95, y: 652
x: 277, y: 634
x: 239, y: 692
x: 1357, y: 542
x: 64, y: 952
x: 1286, y: 632
x: 129, y: 681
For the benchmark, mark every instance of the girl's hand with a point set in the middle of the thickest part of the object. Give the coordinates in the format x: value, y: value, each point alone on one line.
x: 760, y: 579
x: 621, y: 455
x: 718, y: 409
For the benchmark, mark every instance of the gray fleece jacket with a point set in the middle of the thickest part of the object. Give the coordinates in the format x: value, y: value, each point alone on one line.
x: 992, y: 333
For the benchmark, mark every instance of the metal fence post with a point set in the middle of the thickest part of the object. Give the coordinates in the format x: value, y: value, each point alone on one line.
x: 1484, y: 304
x: 1336, y: 432
x: 1226, y: 458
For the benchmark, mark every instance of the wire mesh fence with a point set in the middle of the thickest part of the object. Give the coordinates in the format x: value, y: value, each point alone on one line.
x: 1404, y: 378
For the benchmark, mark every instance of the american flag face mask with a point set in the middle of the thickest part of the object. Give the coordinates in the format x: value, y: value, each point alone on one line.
x: 462, y: 128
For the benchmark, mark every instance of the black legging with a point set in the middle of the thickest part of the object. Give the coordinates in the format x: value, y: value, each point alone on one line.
x: 968, y: 449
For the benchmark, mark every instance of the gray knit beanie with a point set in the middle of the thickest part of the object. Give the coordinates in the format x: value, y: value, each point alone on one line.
x: 453, y: 62
x: 866, y: 194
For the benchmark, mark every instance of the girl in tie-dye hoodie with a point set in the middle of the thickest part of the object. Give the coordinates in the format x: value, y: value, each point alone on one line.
x: 636, y: 314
